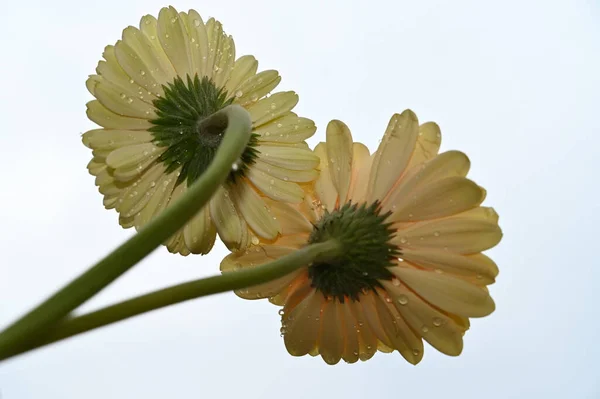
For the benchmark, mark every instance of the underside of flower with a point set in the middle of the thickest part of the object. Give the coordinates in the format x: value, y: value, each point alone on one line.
x: 191, y: 144
x: 367, y: 251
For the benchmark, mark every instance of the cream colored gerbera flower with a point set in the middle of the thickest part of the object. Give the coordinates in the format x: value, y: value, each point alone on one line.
x: 412, y: 231
x: 152, y: 90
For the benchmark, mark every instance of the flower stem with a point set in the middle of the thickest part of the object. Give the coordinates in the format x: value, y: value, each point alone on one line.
x: 179, y: 293
x: 143, y: 243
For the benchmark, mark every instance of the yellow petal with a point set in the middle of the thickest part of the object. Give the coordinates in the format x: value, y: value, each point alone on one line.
x: 159, y: 200
x: 132, y: 160
x: 256, y: 87
x: 175, y: 41
x: 302, y: 324
x: 137, y: 196
x: 231, y: 227
x: 448, y: 293
x: 458, y: 234
x: 367, y: 340
x: 439, y: 199
x: 288, y: 157
x: 476, y: 268
x: 436, y: 327
x: 349, y: 327
x: 288, y: 129
x: 272, y: 107
x: 200, y: 232
x: 214, y: 32
x: 166, y: 72
x: 275, y: 188
x: 224, y: 61
x: 361, y: 168
x: 108, y: 119
x: 402, y: 338
x: 326, y: 192
x: 112, y: 139
x: 139, y: 59
x: 300, y: 176
x: 339, y: 152
x: 244, y: 68
x: 198, y: 41
x: 290, y: 219
x: 393, y: 154
x: 255, y: 211
x: 428, y: 144
x: 331, y: 341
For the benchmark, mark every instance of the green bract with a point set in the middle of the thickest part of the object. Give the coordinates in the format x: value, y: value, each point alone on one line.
x: 366, y: 251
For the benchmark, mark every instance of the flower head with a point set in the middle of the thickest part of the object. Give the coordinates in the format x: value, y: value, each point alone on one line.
x: 412, y: 231
x: 153, y: 90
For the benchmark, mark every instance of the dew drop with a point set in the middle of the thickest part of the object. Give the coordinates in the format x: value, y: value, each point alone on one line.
x: 279, y: 125
x: 273, y: 105
x: 403, y: 240
x: 439, y: 271
x: 152, y: 37
x: 235, y: 166
x: 436, y: 233
x: 147, y: 22
x: 437, y: 321
x: 267, y: 134
x: 254, y: 97
x: 123, y: 96
x: 196, y: 23
x: 239, y: 93
x: 255, y: 240
x: 402, y: 299
x: 424, y: 329
x: 142, y: 72
x: 416, y: 352
x: 129, y: 100
x: 395, y: 282
x: 365, y: 274
x: 166, y: 36
x: 281, y: 312
x: 285, y: 178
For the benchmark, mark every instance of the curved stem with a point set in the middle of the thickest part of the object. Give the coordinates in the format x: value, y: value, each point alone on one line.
x: 180, y: 293
x: 143, y: 243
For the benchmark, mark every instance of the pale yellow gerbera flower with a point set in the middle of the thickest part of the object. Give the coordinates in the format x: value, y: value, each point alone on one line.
x: 153, y: 89
x: 412, y: 231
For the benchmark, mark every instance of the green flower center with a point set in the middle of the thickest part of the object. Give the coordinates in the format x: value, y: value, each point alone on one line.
x: 179, y: 126
x: 367, y: 251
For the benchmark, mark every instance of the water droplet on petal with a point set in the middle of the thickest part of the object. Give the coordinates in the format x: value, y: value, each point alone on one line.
x: 437, y: 321
x: 424, y: 329
x: 402, y: 299
x: 436, y: 233
x: 403, y: 240
x: 255, y: 240
x: 239, y: 93
x: 196, y: 22
x: 395, y: 282
x: 281, y: 312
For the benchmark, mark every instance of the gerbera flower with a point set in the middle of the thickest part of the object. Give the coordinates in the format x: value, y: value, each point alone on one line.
x: 412, y: 231
x: 153, y: 89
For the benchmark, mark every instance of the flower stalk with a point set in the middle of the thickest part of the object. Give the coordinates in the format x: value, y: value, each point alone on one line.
x: 59, y: 305
x: 238, y: 279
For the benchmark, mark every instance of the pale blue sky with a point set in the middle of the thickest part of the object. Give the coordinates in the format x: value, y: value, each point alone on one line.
x: 514, y: 84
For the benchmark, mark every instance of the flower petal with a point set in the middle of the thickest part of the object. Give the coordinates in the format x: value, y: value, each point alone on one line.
x: 175, y: 41
x: 331, y: 340
x: 200, y: 232
x: 367, y: 340
x: 137, y: 196
x: 166, y: 71
x: 302, y: 324
x: 393, y: 154
x: 231, y: 227
x: 448, y: 293
x: 244, y: 68
x: 439, y: 199
x: 130, y: 161
x: 198, y: 40
x: 361, y: 168
x: 288, y: 129
x: 255, y: 211
x: 275, y: 188
x: 290, y: 219
x: 300, y: 176
x: 476, y: 268
x: 324, y: 188
x: 256, y: 87
x: 288, y: 157
x: 159, y: 200
x: 440, y: 330
x: 112, y: 139
x: 428, y: 144
x: 349, y: 327
x: 402, y: 338
x: 339, y: 152
x: 99, y: 114
x: 272, y: 107
x: 459, y: 234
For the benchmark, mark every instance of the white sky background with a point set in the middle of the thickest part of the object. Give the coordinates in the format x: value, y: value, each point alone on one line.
x: 514, y: 84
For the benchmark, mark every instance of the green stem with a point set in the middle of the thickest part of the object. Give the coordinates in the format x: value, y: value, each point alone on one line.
x: 179, y: 293
x: 139, y: 246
